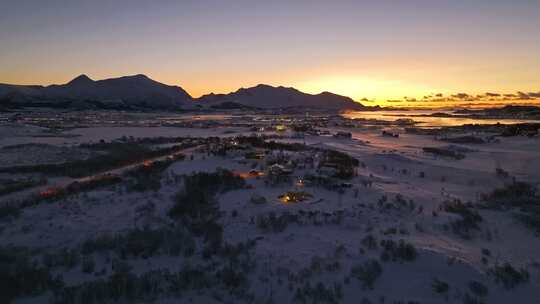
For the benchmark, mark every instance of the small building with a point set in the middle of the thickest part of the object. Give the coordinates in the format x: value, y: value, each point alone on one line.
x: 277, y: 169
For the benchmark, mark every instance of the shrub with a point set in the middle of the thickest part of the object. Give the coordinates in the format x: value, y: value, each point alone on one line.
x: 468, y: 299
x: 469, y: 218
x: 19, y: 276
x: 232, y: 278
x: 400, y: 251
x: 367, y: 273
x: 370, y: 242
x: 343, y: 163
x: 9, y: 186
x: 509, y: 276
x: 440, y: 286
x: 478, y: 288
x: 67, y: 258
x: 7, y: 211
x: 88, y: 265
x: 147, y: 177
x: 140, y: 242
x: 444, y: 152
x: 517, y: 195
x: 195, y: 203
x: 273, y: 222
x: 319, y: 294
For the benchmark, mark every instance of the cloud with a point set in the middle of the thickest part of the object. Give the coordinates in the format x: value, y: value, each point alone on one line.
x: 470, y: 99
x: 522, y: 95
x: 461, y: 95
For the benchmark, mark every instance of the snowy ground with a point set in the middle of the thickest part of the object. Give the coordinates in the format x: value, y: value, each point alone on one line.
x: 393, y: 165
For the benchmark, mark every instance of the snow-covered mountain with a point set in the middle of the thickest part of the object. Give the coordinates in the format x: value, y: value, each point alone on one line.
x: 136, y: 91
x: 269, y: 97
x: 141, y: 92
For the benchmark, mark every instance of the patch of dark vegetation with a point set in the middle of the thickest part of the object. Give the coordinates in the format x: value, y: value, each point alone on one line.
x: 501, y: 173
x: 367, y: 273
x: 478, y: 288
x: 319, y: 294
x: 506, y: 130
x: 323, y: 181
x: 525, y: 129
x: 126, y: 287
x: 400, y: 251
x: 515, y: 194
x: 196, y: 207
x: 67, y: 258
x: 56, y: 193
x: 508, y: 276
x: 468, y: 299
x: 343, y: 163
x: 399, y: 203
x: 93, y: 184
x: 143, y: 243
x: 370, y: 242
x: 158, y: 140
x: 231, y: 105
x: 212, y: 183
x: 19, y: 276
x: 520, y: 197
x: 469, y: 221
x: 228, y: 269
x: 118, y: 155
x: 260, y: 142
x: 9, y: 211
x: 467, y: 139
x: 8, y: 186
x: 273, y: 222
x: 444, y: 152
x: 439, y: 286
x: 147, y: 177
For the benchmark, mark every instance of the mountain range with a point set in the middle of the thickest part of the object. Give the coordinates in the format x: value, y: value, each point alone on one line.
x: 141, y: 92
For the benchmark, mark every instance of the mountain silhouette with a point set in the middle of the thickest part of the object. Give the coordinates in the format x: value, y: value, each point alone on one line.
x: 136, y: 91
x: 141, y: 92
x: 269, y: 97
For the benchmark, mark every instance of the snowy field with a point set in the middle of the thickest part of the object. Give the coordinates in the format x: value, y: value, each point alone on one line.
x: 336, y: 237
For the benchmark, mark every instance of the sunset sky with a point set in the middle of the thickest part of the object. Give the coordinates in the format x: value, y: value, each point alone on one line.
x: 379, y: 50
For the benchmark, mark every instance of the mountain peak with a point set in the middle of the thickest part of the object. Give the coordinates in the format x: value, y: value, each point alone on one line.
x: 139, y: 77
x: 262, y: 85
x: 81, y: 79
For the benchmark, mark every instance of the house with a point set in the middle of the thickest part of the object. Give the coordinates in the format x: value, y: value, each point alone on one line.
x: 278, y: 170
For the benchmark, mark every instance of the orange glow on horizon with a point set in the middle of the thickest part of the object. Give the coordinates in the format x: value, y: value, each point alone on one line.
x: 369, y: 91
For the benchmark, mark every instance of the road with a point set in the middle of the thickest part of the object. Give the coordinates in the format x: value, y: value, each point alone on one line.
x: 65, y: 181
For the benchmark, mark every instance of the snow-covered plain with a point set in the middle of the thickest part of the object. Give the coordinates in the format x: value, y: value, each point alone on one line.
x: 396, y: 168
